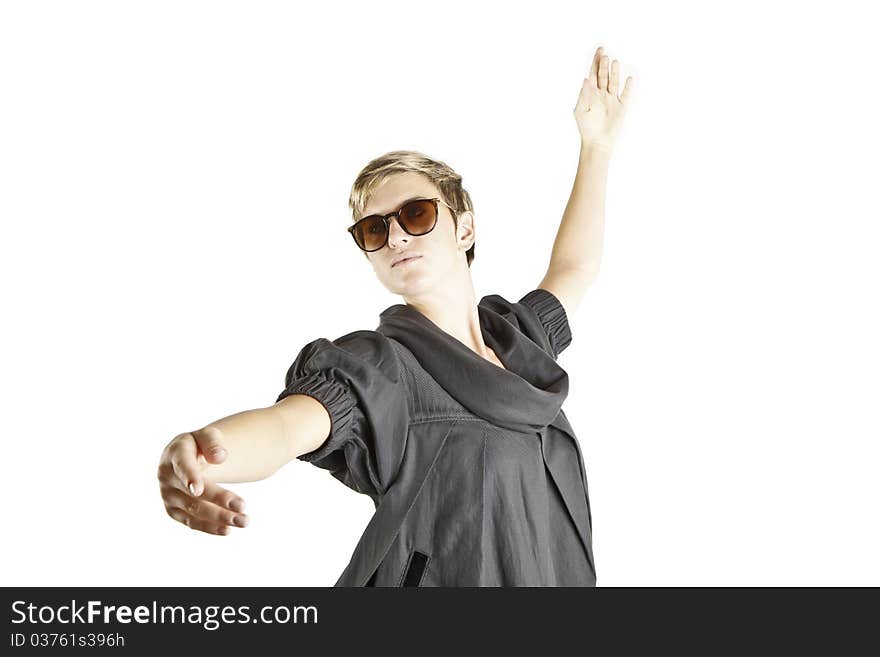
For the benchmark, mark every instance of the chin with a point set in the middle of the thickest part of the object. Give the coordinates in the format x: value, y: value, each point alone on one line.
x: 416, y: 286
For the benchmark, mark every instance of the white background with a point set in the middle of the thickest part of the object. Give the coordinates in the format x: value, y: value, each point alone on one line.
x: 174, y: 179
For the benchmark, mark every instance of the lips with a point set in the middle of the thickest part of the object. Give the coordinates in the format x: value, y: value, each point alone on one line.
x: 405, y: 260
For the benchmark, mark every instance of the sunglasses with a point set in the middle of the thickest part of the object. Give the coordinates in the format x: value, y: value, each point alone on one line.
x: 416, y: 217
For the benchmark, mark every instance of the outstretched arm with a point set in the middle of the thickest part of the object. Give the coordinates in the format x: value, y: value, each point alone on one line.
x: 260, y: 441
x: 577, y: 250
x: 247, y: 446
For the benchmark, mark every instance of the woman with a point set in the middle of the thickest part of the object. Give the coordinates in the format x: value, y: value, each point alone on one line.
x: 448, y: 415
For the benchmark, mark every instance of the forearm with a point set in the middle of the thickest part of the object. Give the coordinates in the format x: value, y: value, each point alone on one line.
x: 578, y: 244
x: 256, y: 446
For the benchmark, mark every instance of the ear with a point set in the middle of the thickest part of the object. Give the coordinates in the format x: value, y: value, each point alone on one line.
x: 465, y: 234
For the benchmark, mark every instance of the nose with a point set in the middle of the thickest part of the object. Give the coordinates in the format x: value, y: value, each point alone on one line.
x: 396, y: 234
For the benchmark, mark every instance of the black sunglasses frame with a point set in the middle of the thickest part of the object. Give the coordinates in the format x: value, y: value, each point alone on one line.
x: 386, y: 219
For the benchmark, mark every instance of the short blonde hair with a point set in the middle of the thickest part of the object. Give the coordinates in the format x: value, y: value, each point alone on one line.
x: 441, y: 174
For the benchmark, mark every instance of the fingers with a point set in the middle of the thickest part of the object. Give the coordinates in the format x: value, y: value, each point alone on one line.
x: 210, y: 512
x: 194, y: 523
x: 223, y: 498
x: 603, y: 73
x: 182, y: 456
x: 606, y: 74
x: 592, y: 76
x: 627, y: 89
x: 615, y: 75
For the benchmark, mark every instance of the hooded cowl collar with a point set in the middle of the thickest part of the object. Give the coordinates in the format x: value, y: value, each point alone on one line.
x: 527, y: 396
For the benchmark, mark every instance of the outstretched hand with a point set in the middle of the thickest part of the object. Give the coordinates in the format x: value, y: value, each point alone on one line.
x: 599, y: 112
x: 188, y: 497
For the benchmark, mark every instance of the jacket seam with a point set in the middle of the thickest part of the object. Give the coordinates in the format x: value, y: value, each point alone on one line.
x: 483, y: 499
x: 423, y: 406
x: 414, y: 499
x: 402, y: 373
x: 445, y: 418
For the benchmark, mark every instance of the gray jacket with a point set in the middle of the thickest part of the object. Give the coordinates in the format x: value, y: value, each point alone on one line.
x: 477, y: 476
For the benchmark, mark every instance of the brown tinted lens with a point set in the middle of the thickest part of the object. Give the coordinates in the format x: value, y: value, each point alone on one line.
x: 370, y: 233
x: 418, y: 217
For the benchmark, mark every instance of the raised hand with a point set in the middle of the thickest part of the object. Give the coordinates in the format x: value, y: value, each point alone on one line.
x: 599, y: 112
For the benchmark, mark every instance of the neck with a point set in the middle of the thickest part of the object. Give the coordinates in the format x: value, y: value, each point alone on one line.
x: 454, y: 309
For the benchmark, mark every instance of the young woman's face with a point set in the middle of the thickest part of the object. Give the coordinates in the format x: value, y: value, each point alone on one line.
x: 433, y: 255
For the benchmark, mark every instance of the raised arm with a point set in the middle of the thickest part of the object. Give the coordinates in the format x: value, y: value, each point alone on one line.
x: 577, y: 250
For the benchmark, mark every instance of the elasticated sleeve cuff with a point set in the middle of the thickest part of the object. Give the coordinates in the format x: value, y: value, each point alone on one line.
x: 553, y: 318
x: 338, y: 401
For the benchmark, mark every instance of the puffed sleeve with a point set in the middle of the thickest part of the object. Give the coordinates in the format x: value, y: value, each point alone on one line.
x: 357, y: 378
x: 539, y: 315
